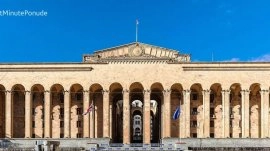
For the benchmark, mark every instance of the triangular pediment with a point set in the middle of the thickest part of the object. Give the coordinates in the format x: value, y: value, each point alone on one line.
x: 134, y: 51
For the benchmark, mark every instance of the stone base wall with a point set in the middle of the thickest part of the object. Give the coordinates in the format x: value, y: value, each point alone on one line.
x: 187, y: 143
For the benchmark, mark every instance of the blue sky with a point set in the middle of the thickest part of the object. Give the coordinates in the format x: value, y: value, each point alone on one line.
x: 231, y: 30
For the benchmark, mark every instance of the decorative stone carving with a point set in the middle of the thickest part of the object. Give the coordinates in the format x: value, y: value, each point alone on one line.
x: 136, y: 50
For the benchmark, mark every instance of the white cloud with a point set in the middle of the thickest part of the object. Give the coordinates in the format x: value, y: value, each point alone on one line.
x: 263, y: 58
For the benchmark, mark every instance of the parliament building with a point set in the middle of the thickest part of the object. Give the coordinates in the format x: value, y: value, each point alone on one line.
x: 133, y: 91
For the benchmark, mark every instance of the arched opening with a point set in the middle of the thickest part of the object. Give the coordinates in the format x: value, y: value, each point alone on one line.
x: 116, y: 101
x: 37, y: 114
x: 235, y: 111
x: 216, y: 111
x: 255, y: 111
x: 57, y: 109
x: 2, y: 111
x: 96, y: 93
x: 137, y: 101
x: 137, y: 121
x: 76, y: 111
x: 157, y: 104
x: 177, y: 126
x: 18, y: 111
x: 196, y: 109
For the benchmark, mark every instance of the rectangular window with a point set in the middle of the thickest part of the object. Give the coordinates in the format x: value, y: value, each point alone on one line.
x: 194, y: 135
x: 61, y: 135
x: 34, y: 97
x: 62, y: 110
x: 194, y: 96
x: 212, y: 135
x: 79, y: 111
x: 79, y: 124
x: 212, y: 97
x: 79, y: 96
x: 61, y: 97
x: 194, y: 111
x: 33, y: 124
x: 212, y: 111
x: 212, y: 124
x: 231, y: 110
x: 61, y: 124
x: 33, y: 135
x: 193, y: 124
x: 79, y: 135
x: 33, y: 111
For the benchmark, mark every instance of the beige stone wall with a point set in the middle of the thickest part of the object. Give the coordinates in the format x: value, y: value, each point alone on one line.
x: 186, y: 74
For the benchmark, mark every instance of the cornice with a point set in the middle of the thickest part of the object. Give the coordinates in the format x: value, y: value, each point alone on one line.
x: 226, y: 68
x: 44, y: 69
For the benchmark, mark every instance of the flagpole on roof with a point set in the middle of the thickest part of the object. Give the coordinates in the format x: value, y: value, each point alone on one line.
x: 137, y: 23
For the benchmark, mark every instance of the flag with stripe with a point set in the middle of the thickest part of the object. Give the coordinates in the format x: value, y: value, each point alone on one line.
x: 176, y: 113
x: 90, y: 108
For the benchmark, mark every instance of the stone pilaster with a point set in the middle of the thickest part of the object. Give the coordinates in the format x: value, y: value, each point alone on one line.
x: 206, y: 111
x: 106, y: 111
x: 187, y: 112
x: 226, y: 113
x: 86, y: 117
x: 9, y: 117
x: 245, y: 113
x: 47, y: 109
x: 264, y: 113
x: 166, y: 127
x: 126, y: 117
x: 28, y: 117
x: 146, y: 118
x: 66, y: 114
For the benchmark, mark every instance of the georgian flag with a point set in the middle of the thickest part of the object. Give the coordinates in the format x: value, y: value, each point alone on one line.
x: 177, y: 113
x: 90, y: 108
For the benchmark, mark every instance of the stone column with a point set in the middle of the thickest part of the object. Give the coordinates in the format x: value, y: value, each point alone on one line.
x: 166, y: 127
x: 28, y: 115
x: 9, y: 117
x: 126, y: 117
x: 92, y: 114
x: 264, y: 113
x: 106, y: 115
x: 86, y: 117
x: 67, y: 114
x: 182, y: 118
x: 146, y: 118
x: 226, y: 113
x: 187, y: 113
x: 245, y: 113
x: 206, y: 111
x: 47, y: 109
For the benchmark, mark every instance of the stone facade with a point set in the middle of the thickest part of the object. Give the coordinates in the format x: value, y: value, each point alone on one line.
x: 217, y: 99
